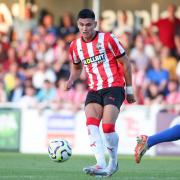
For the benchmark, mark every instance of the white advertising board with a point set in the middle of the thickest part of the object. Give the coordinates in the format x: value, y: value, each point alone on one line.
x: 38, y: 128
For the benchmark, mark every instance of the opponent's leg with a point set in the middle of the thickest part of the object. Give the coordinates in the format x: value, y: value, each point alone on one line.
x: 94, y: 115
x: 171, y: 134
x: 144, y: 142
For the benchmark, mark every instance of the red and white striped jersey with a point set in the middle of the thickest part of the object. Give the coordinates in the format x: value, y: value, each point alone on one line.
x: 99, y: 59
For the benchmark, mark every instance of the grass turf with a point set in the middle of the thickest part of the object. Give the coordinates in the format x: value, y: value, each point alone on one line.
x: 16, y: 166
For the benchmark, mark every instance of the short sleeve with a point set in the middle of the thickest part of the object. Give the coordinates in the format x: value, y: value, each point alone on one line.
x: 73, y: 54
x: 115, y: 46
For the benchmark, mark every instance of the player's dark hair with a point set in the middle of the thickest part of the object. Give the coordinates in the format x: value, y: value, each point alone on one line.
x: 86, y: 13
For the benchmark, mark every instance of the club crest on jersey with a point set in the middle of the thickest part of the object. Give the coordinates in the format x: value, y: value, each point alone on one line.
x: 95, y: 59
x: 98, y: 46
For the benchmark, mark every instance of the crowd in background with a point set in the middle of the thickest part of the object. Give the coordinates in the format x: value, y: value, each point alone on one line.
x: 34, y: 61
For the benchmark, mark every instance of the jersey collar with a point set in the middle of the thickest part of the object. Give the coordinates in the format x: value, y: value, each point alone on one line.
x: 91, y: 39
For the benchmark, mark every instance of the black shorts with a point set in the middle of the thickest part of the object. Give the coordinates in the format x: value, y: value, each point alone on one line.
x: 111, y: 95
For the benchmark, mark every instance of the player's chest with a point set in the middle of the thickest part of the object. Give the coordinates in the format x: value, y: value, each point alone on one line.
x: 94, y: 53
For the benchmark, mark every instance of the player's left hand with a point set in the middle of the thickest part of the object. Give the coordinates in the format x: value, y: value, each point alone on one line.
x: 130, y: 98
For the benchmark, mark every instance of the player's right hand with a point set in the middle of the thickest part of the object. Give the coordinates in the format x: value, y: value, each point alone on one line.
x: 68, y: 84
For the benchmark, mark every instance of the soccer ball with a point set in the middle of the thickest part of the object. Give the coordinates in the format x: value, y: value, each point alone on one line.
x: 59, y: 150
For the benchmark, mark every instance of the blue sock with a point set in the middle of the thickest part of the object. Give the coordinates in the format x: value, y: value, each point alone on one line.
x: 171, y: 134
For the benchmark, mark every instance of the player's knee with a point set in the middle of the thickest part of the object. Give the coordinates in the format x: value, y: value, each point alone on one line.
x: 108, y: 128
x: 92, y: 121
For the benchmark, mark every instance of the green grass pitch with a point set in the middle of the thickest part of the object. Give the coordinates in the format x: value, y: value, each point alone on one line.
x: 16, y: 166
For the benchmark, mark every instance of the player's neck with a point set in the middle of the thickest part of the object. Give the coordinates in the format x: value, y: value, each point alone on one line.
x: 90, y: 38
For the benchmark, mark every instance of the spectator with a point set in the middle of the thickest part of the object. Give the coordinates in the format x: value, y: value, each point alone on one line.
x: 65, y: 98
x: 41, y: 50
x: 168, y: 27
x: 153, y: 95
x: 148, y: 42
x: 46, y: 94
x: 22, y: 27
x: 11, y: 76
x: 67, y: 28
x: 157, y: 75
x: 168, y: 62
x: 153, y: 38
x: 123, y: 25
x: 17, y: 92
x: 61, y: 65
x: 173, y: 97
x: 48, y: 23
x: 49, y: 55
x: 11, y: 59
x: 137, y: 82
x: 29, y: 63
x: 138, y: 54
x: 42, y: 73
x: 43, y: 55
x: 29, y: 100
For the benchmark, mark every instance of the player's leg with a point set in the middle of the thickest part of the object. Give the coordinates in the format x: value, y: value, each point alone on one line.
x: 110, y: 115
x: 94, y: 114
x: 113, y: 98
x: 144, y: 142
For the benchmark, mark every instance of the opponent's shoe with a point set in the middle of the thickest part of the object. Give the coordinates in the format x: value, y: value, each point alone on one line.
x: 92, y: 169
x: 107, y: 172
x: 141, y: 147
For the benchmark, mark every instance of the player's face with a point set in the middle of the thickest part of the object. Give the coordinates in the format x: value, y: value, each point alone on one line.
x: 87, y: 27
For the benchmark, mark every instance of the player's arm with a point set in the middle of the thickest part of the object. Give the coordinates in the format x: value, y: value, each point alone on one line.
x: 76, y: 67
x: 76, y: 70
x: 119, y: 53
x: 128, y: 78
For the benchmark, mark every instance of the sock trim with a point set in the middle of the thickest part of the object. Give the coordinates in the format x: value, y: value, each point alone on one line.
x: 92, y: 121
x: 108, y: 128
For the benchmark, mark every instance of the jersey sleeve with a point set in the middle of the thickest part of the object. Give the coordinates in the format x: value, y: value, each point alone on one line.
x: 73, y: 54
x: 115, y: 46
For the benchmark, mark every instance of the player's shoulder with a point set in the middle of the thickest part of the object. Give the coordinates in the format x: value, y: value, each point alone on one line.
x: 109, y: 35
x: 73, y: 43
x: 105, y: 33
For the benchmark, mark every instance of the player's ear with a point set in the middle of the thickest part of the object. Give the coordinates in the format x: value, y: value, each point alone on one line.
x: 95, y: 24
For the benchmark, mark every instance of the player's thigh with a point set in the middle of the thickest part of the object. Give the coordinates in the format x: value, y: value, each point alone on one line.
x: 94, y: 110
x: 110, y: 114
x: 94, y: 105
x: 112, y: 99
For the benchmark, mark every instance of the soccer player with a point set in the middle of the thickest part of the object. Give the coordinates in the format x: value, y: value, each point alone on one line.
x: 144, y: 142
x: 102, y: 55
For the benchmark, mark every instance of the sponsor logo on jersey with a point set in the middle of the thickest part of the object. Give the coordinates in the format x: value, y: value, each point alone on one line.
x: 95, y: 59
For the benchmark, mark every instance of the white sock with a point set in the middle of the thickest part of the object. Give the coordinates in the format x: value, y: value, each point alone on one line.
x: 111, y: 140
x: 96, y: 144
